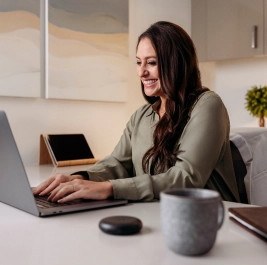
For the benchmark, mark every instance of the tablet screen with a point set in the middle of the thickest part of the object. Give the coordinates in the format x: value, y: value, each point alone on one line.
x: 69, y: 146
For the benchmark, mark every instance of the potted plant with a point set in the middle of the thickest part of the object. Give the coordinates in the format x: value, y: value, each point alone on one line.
x: 256, y: 103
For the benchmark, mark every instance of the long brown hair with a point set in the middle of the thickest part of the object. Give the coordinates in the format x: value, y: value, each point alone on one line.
x: 181, y: 84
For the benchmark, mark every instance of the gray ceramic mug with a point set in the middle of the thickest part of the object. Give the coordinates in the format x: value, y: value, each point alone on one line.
x: 190, y: 219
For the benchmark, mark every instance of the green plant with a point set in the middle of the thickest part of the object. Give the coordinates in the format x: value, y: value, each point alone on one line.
x: 256, y: 101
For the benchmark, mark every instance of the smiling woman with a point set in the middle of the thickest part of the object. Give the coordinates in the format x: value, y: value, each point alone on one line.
x: 147, y: 69
x: 179, y: 139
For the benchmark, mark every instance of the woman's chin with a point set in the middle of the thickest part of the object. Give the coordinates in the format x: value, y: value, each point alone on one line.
x: 151, y: 93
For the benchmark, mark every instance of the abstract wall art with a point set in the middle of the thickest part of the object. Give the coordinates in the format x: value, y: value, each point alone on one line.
x: 87, y: 46
x: 64, y: 49
x: 20, y: 48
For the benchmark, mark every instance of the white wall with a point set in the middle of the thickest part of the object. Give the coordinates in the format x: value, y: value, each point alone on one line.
x: 231, y: 79
x: 101, y: 122
x: 145, y: 12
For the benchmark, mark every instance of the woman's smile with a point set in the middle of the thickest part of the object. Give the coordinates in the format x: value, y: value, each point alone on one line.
x: 149, y: 82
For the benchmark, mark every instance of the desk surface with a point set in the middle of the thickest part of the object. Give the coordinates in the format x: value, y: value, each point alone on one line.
x: 76, y: 239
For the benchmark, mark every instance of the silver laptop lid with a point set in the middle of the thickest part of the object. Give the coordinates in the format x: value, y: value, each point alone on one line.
x: 14, y: 185
x: 15, y: 188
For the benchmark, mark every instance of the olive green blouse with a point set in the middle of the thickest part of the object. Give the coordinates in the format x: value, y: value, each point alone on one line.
x: 205, y: 160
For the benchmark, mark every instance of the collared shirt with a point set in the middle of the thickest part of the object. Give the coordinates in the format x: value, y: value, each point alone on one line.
x: 205, y: 160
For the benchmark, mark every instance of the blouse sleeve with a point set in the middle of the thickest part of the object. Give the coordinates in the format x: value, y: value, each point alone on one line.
x: 202, y: 145
x: 119, y: 164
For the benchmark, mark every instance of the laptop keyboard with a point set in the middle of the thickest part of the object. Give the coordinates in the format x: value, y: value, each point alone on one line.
x: 42, y: 202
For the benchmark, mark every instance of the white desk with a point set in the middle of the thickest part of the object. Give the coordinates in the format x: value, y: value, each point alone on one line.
x: 75, y: 239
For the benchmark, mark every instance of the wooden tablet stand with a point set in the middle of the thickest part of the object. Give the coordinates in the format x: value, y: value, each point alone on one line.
x: 62, y: 151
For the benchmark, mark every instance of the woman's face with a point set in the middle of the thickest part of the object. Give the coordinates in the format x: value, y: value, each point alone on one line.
x: 147, y: 68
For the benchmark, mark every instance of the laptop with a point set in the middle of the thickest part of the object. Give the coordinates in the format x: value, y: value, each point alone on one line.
x: 15, y: 188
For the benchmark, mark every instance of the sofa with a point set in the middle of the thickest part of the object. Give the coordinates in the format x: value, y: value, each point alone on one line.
x: 252, y: 145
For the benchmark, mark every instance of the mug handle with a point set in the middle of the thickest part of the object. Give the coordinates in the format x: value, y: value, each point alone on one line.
x: 220, y: 214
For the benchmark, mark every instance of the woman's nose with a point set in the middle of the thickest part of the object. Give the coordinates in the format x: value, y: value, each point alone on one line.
x: 142, y: 71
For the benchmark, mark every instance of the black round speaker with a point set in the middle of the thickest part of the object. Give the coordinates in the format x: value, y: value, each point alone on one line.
x: 120, y: 225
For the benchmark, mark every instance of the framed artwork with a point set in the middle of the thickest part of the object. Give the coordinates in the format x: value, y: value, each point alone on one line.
x: 20, y: 48
x: 87, y: 50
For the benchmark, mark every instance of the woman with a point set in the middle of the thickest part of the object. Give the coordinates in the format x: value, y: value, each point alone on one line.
x: 179, y: 139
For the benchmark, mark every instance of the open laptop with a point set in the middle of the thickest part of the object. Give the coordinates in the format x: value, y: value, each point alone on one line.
x: 15, y: 189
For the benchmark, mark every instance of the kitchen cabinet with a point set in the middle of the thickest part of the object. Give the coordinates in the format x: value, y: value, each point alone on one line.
x: 228, y: 29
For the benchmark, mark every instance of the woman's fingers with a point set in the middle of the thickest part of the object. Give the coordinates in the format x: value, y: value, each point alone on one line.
x: 41, y: 187
x: 61, y: 191
x: 50, y: 184
x: 51, y: 187
x: 70, y: 197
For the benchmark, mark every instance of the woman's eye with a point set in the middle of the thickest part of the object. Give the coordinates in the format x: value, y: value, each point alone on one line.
x: 152, y: 63
x: 138, y: 63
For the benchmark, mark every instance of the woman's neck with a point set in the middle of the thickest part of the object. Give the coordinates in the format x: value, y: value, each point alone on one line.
x: 161, y: 109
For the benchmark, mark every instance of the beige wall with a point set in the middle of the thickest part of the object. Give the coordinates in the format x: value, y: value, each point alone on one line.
x: 102, y: 122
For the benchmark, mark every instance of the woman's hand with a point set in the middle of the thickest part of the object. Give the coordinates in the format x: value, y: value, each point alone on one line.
x: 53, y: 182
x: 63, y: 188
x: 81, y: 189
